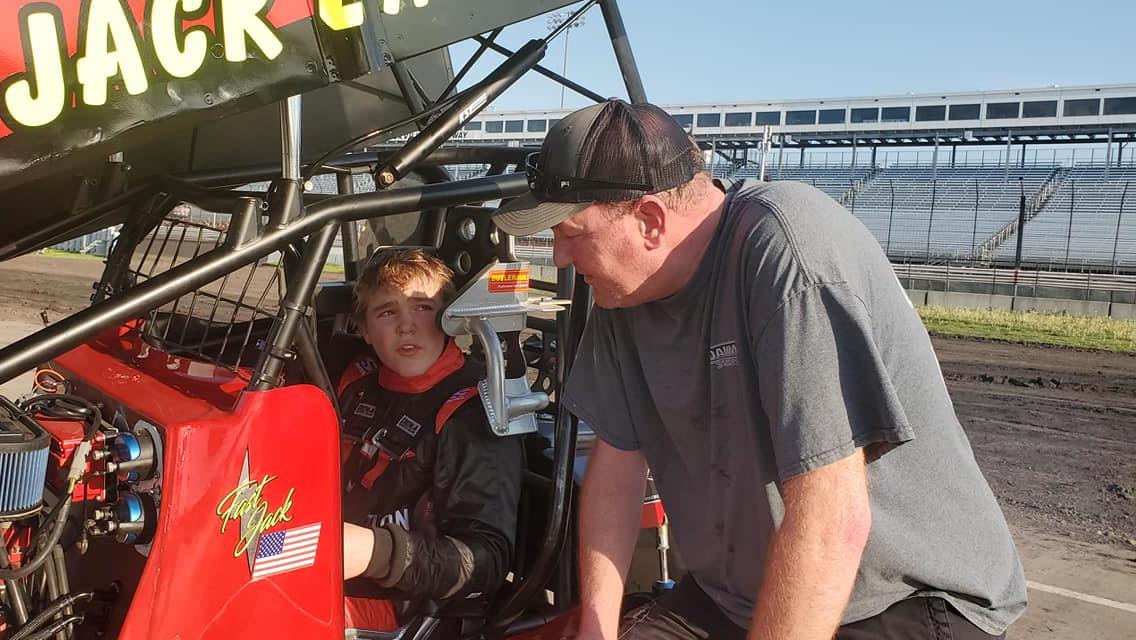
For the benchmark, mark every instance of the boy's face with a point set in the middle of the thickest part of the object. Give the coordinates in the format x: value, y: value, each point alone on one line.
x: 401, y: 326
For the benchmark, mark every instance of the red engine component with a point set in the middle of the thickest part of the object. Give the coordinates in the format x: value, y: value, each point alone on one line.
x: 16, y: 540
x: 65, y: 438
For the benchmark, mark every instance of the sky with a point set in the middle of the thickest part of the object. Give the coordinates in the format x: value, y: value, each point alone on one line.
x: 727, y: 51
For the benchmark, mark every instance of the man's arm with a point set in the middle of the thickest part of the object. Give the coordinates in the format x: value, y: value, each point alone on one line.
x: 610, y: 503
x: 812, y: 561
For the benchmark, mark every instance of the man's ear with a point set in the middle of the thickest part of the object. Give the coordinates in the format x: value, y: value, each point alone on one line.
x: 651, y: 215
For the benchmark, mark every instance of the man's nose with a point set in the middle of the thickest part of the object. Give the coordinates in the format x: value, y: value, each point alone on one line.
x: 560, y: 255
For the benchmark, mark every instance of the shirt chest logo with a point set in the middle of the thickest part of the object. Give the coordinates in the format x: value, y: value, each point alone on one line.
x: 724, y: 355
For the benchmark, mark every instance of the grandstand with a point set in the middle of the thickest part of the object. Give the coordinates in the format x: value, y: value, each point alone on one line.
x: 1088, y: 222
x: 951, y: 209
x: 969, y: 214
x: 839, y: 182
x: 944, y: 213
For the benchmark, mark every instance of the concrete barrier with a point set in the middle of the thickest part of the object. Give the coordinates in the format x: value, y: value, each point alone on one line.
x: 1055, y: 305
x: 917, y: 297
x: 969, y: 300
x: 1122, y: 311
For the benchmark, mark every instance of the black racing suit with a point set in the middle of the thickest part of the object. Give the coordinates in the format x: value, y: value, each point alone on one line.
x: 426, y: 467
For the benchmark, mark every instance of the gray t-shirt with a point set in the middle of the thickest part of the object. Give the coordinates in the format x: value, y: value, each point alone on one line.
x: 792, y: 345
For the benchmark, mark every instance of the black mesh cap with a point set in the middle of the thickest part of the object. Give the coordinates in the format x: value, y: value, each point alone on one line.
x: 609, y: 152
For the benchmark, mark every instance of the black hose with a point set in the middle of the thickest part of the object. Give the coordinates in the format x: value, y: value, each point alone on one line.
x: 55, y: 405
x: 58, y: 518
x: 55, y: 607
x: 47, y: 632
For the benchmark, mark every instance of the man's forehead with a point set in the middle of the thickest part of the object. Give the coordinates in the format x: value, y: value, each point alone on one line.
x: 580, y: 220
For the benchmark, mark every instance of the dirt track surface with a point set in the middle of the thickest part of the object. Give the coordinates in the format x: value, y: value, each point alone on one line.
x: 60, y: 286
x: 1053, y: 429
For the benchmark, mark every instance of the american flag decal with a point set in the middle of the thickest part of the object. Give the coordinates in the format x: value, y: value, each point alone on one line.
x: 283, y: 551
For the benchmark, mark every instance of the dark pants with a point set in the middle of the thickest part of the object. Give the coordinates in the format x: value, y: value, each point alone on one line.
x: 688, y: 613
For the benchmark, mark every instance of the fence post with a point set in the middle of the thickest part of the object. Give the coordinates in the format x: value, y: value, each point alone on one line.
x: 974, y: 234
x: 780, y: 153
x: 1021, y: 223
x: 931, y: 220
x: 1119, y: 215
x: 1069, y: 231
x: 891, y: 217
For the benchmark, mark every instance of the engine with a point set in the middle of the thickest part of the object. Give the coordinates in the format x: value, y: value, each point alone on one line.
x: 67, y: 478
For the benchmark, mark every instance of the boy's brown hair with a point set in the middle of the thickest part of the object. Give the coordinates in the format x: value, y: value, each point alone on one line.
x: 397, y: 268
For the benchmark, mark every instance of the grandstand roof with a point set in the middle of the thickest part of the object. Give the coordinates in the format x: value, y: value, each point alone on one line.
x: 1053, y: 115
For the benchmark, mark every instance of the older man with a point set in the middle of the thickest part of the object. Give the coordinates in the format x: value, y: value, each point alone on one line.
x: 753, y: 347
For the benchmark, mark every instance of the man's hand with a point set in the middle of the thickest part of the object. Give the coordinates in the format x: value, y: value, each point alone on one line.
x: 814, y: 556
x: 358, y: 545
x: 610, y: 503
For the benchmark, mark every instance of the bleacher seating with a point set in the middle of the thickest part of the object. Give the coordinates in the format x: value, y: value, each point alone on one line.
x: 1077, y: 227
x: 837, y: 182
x: 970, y: 205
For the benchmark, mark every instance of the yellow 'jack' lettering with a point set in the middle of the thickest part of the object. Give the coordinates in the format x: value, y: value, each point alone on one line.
x: 392, y: 7
x: 179, y: 62
x: 341, y: 14
x: 242, y: 19
x: 346, y: 14
x: 115, y: 52
x: 110, y: 48
x: 42, y: 33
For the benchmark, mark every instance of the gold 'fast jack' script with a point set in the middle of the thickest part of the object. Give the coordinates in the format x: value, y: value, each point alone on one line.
x: 246, y: 504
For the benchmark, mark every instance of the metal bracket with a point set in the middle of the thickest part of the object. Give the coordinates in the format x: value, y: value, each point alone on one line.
x: 497, y: 301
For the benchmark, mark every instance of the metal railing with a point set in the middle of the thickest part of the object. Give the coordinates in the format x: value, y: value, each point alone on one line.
x: 1035, y: 282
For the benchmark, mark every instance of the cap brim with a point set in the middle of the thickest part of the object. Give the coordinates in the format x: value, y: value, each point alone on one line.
x: 525, y: 215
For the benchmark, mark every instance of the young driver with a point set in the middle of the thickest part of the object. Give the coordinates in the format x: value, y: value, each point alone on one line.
x: 430, y: 494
